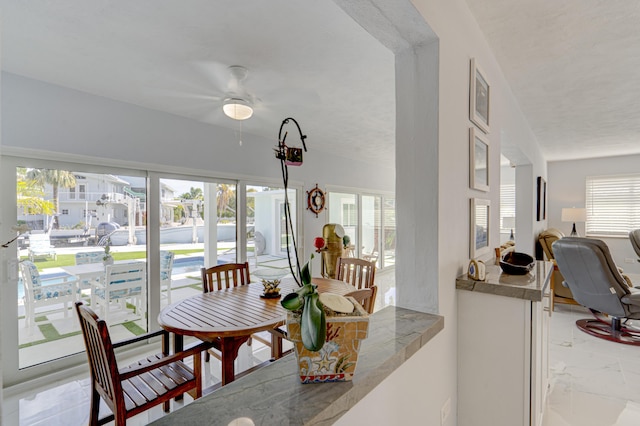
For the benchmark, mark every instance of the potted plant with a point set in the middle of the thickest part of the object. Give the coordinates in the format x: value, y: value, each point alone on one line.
x: 326, y: 330
x: 107, y: 259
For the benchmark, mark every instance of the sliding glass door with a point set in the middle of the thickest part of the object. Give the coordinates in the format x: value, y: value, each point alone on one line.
x: 81, y: 227
x: 197, y: 229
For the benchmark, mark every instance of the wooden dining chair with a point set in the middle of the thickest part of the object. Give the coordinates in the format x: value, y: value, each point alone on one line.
x: 138, y: 387
x: 226, y: 276
x: 233, y: 275
x: 359, y: 273
x: 366, y: 297
x: 219, y: 277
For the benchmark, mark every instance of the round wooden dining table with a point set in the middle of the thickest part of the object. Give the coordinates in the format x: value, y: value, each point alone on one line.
x: 230, y: 316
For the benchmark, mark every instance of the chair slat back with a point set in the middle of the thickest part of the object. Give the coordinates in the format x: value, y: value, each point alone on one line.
x: 30, y: 280
x: 40, y: 242
x: 102, y: 360
x: 125, y: 275
x: 85, y: 257
x: 226, y: 276
x: 166, y: 264
x: 359, y: 273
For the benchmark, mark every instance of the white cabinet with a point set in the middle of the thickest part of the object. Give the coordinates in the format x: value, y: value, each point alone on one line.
x: 503, y: 359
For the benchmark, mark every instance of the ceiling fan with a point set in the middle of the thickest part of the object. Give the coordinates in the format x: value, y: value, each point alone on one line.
x: 239, y: 104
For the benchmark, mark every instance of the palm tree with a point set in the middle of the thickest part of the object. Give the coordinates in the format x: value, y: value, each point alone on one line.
x: 55, y: 178
x: 226, y: 195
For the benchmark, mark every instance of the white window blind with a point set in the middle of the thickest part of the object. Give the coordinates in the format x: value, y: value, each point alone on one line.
x: 507, y: 204
x: 613, y: 205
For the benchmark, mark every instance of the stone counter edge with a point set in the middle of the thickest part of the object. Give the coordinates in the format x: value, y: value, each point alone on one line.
x: 274, y: 394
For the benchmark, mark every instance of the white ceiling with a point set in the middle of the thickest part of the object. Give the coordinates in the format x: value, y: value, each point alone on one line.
x: 307, y: 60
x: 574, y: 66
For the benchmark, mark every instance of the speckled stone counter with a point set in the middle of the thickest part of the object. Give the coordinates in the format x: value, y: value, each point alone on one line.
x: 273, y: 395
x: 529, y: 287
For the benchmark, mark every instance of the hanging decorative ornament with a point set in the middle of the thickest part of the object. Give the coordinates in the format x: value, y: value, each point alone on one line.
x: 315, y: 200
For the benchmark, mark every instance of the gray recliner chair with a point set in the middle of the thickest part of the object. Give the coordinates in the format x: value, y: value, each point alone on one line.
x: 596, y: 283
x: 634, y: 237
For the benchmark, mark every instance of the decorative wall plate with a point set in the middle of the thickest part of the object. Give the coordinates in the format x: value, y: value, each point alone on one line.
x: 315, y: 200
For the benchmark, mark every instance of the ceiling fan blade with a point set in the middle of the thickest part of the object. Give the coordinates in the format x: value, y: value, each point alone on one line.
x: 215, y: 75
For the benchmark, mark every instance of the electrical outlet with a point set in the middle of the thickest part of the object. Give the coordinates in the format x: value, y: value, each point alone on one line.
x: 629, y: 260
x: 445, y: 411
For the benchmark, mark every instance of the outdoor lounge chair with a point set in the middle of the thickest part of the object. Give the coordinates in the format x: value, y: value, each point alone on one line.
x: 37, y: 293
x: 122, y: 282
x: 40, y: 246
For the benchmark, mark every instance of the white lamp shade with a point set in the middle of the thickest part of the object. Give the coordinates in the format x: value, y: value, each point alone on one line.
x: 238, y: 109
x: 574, y: 215
x: 509, y: 222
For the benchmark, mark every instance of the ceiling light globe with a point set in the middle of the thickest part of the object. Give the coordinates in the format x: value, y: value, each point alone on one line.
x: 238, y: 109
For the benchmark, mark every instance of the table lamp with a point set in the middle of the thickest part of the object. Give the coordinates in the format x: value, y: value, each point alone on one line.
x: 509, y: 222
x: 574, y: 215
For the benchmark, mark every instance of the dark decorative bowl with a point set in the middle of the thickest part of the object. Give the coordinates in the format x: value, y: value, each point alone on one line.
x: 515, y: 263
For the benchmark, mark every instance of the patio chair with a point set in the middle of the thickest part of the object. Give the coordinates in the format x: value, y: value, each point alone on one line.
x: 84, y: 257
x: 166, y: 268
x: 88, y: 257
x: 40, y: 246
x: 50, y: 292
x: 122, y: 282
x: 138, y: 387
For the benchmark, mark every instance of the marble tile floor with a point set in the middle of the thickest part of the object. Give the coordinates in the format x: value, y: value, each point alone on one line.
x: 593, y: 382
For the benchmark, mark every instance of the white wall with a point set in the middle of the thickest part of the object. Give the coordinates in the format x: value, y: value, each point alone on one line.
x: 42, y: 116
x: 52, y: 122
x: 52, y: 118
x: 416, y: 392
x: 566, y: 186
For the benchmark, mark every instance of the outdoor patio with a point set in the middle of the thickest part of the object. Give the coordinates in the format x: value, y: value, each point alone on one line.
x: 55, y: 335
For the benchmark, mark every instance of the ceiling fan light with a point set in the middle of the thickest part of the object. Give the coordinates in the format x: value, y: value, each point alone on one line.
x: 238, y: 109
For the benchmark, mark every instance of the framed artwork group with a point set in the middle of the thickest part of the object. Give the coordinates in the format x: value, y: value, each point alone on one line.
x: 479, y: 164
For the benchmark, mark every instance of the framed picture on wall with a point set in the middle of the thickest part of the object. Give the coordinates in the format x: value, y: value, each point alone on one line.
x: 478, y: 160
x: 542, y: 200
x: 480, y: 218
x: 479, y: 98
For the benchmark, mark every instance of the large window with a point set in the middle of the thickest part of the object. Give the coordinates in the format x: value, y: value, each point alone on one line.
x: 62, y: 257
x: 369, y: 221
x: 168, y: 226
x: 613, y: 205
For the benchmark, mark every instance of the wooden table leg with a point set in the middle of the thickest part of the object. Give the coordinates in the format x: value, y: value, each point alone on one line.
x: 276, y: 344
x: 229, y: 348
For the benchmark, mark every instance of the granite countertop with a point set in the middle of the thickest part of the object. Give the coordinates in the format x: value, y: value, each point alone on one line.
x: 273, y: 395
x: 531, y: 286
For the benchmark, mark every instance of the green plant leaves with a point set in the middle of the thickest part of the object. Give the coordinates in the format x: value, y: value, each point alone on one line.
x: 295, y: 300
x: 313, y: 324
x: 305, y: 273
